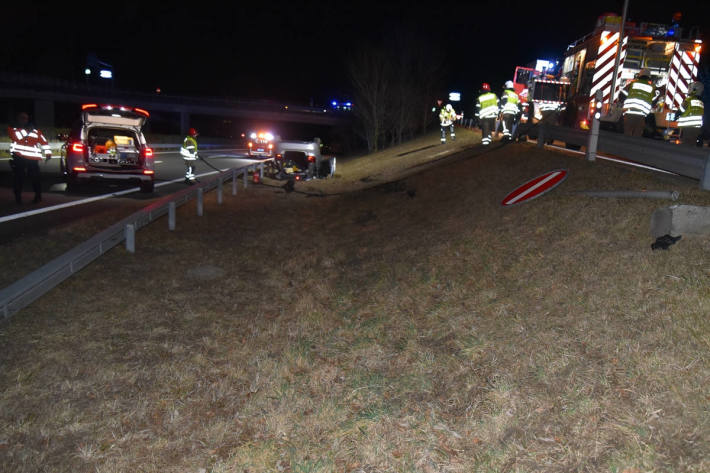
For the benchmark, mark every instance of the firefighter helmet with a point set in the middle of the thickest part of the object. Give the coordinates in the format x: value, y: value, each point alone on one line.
x: 509, y: 84
x: 192, y: 132
x: 645, y: 73
x: 449, y: 108
x: 696, y: 88
x: 486, y: 86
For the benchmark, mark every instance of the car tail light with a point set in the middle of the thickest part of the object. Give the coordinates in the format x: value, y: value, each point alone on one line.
x: 311, y: 158
x: 148, y: 152
x: 148, y: 171
x: 298, y: 178
x: 77, y: 147
x: 278, y: 156
x: 79, y: 169
x: 87, y: 106
x: 255, y: 178
x: 141, y: 111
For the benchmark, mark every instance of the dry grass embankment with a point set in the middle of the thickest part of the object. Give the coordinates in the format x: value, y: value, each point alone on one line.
x: 380, y: 331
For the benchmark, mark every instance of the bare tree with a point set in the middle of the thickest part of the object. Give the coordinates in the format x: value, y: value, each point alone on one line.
x: 393, y: 88
x: 370, y: 78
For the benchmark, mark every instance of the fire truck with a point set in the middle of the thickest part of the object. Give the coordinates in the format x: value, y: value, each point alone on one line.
x: 540, y: 90
x: 669, y: 52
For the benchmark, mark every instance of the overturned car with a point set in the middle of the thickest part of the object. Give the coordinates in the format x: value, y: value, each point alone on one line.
x: 301, y: 161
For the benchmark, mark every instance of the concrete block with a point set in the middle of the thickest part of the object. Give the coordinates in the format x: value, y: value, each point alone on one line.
x: 686, y: 220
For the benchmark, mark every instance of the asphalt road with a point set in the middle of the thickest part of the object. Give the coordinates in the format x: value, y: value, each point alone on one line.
x: 15, y: 219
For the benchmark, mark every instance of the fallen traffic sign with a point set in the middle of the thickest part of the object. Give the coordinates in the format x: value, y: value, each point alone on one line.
x: 535, y: 187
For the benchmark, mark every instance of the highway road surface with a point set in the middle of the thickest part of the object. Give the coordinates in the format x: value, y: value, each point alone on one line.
x: 59, y: 206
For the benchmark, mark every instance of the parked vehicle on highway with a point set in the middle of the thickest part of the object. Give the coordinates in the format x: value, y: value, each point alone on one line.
x: 108, y: 144
x: 261, y: 144
x: 302, y: 160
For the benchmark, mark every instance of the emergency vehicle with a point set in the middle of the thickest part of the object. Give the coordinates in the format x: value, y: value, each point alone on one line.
x: 669, y: 52
x: 261, y: 144
x: 540, y: 89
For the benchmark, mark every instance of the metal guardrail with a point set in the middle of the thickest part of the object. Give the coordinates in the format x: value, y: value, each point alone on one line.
x: 23, y: 292
x: 687, y: 161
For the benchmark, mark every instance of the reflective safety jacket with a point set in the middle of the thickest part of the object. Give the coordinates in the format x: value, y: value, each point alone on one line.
x: 691, y: 112
x: 487, y: 105
x: 188, y: 151
x: 510, y: 102
x: 447, y: 115
x: 639, y: 100
x: 29, y: 144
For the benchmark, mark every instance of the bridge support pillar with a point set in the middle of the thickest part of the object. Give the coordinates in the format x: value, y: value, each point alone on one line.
x: 184, y: 122
x: 44, y: 114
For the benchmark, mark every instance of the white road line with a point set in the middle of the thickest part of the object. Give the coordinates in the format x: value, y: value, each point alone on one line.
x: 52, y: 208
x: 614, y: 160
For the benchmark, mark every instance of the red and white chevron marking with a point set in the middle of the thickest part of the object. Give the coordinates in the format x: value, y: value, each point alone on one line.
x: 604, y: 67
x: 683, y: 72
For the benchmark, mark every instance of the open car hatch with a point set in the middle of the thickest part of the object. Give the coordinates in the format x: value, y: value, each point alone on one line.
x: 96, y: 114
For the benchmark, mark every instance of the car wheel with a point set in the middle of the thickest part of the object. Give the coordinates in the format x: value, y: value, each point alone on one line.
x: 147, y: 187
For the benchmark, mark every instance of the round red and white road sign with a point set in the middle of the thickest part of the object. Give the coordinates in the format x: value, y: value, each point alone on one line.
x: 535, y: 187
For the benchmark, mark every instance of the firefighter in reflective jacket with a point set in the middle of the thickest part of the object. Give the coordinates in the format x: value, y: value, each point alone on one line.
x: 486, y: 112
x: 509, y: 108
x: 189, y: 154
x: 28, y: 147
x: 447, y: 117
x: 690, y: 115
x: 640, y: 95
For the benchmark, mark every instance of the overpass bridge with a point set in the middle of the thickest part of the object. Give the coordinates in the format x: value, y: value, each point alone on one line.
x: 46, y: 92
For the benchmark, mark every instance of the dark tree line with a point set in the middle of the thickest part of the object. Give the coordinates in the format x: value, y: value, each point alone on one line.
x: 394, y: 85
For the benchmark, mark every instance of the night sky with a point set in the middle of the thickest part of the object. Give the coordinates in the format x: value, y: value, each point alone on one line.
x: 295, y: 51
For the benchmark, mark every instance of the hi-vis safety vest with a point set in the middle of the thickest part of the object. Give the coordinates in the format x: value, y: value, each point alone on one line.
x: 29, y: 144
x: 511, y: 102
x: 189, y: 148
x: 487, y: 105
x: 692, y: 111
x: 640, y: 98
x: 447, y: 116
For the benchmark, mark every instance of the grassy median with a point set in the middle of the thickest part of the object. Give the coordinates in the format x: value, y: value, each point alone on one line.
x: 412, y: 327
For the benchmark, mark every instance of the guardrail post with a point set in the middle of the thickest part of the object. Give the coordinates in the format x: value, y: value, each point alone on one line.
x: 245, y: 176
x: 171, y: 216
x: 541, y: 134
x: 130, y: 234
x: 261, y: 170
x: 234, y: 181
x: 200, y: 203
x: 705, y: 179
x: 593, y: 140
x: 219, y: 190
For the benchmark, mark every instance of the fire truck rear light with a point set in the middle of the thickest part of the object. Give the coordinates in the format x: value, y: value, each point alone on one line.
x: 79, y: 169
x: 698, y: 48
x: 250, y: 144
x: 77, y: 147
x: 271, y: 146
x: 148, y: 171
x: 148, y: 152
x: 87, y: 106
